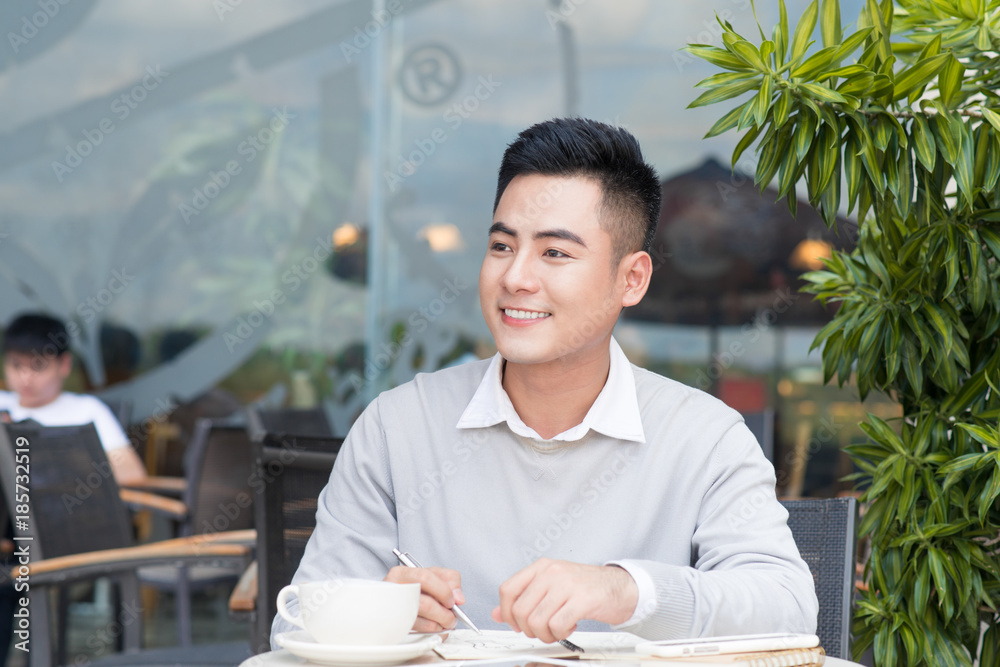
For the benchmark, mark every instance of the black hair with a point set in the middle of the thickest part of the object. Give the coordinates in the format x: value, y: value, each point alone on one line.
x: 630, y: 204
x: 38, y: 334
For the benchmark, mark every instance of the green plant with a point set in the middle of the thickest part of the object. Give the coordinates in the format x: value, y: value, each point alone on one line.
x: 899, y: 119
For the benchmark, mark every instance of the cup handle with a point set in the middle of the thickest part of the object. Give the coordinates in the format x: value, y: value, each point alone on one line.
x: 283, y: 609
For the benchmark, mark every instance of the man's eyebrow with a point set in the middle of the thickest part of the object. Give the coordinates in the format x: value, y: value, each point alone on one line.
x: 499, y: 227
x: 563, y: 234
x: 559, y: 233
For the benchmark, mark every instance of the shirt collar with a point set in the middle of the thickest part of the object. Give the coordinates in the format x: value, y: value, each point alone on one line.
x: 615, y: 413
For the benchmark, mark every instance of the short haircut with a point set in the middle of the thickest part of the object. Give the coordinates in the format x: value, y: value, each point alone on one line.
x: 36, y: 334
x: 630, y: 203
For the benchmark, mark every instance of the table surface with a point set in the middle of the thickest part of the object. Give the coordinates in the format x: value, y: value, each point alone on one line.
x: 282, y: 658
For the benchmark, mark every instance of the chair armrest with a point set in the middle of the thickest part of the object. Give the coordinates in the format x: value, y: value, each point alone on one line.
x: 143, y: 500
x: 213, y: 549
x: 170, y: 486
x: 244, y: 597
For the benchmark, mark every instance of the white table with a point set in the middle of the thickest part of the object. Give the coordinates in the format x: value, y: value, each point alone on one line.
x: 283, y: 658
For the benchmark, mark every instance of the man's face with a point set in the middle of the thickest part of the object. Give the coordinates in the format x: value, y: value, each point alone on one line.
x: 547, y: 287
x: 37, y: 379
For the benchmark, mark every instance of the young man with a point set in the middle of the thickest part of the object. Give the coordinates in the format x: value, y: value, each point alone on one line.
x: 557, y: 487
x: 36, y: 362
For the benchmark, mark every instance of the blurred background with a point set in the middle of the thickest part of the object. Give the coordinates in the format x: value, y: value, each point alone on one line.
x: 287, y: 203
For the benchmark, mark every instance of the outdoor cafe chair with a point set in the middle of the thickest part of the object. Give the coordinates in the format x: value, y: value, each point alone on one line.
x: 77, y: 528
x: 291, y: 470
x: 825, y: 531
x: 216, y: 497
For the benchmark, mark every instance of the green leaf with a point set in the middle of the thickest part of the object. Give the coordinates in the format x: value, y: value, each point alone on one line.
x: 904, y: 170
x: 984, y: 42
x: 804, y: 30
x: 988, y: 437
x: 849, y: 71
x: 949, y: 137
x: 822, y: 93
x: 762, y: 101
x: 782, y: 107
x: 750, y: 54
x: 992, y: 117
x: 816, y: 63
x: 917, y: 76
x: 964, y: 166
x: 718, y: 57
x: 726, y: 123
x: 950, y: 81
x: 989, y: 494
x: 922, y: 587
x: 781, y: 33
x: 725, y: 92
x: 856, y: 39
x: 936, y: 561
x: 723, y: 78
x: 924, y: 143
x: 858, y: 84
x: 992, y: 170
x: 804, y: 133
x: 829, y: 23
x: 745, y: 143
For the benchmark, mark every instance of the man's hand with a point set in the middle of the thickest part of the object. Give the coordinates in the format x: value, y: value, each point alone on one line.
x: 548, y: 598
x: 440, y: 590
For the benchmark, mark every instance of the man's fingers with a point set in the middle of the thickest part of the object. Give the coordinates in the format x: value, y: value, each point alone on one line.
x: 436, y: 595
x: 511, y: 591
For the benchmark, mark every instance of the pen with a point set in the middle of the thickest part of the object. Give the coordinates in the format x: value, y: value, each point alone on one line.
x: 408, y: 560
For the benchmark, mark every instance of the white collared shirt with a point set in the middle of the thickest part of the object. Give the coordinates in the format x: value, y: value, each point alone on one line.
x: 615, y: 413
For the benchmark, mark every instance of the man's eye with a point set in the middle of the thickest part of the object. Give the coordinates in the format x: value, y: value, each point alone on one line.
x: 497, y: 245
x: 552, y: 252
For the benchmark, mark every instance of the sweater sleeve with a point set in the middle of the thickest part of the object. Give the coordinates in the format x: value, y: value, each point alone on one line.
x: 355, y: 515
x: 747, y: 575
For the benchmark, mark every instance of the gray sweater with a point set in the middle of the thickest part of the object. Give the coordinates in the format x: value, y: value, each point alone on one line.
x: 694, y: 507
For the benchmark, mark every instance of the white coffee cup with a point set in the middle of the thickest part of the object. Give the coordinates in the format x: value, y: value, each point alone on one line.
x: 353, y: 612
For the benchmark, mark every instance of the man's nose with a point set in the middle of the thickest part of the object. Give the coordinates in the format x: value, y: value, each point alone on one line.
x: 521, y: 275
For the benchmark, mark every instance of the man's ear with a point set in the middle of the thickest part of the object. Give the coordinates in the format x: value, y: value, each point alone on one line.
x: 636, y: 270
x: 65, y: 361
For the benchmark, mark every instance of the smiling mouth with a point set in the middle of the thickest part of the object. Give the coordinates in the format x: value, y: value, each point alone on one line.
x: 525, y: 314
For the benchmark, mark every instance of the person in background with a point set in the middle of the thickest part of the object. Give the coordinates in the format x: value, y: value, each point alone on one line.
x: 36, y: 363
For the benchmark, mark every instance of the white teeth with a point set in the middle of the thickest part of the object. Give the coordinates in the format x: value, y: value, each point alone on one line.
x: 524, y: 314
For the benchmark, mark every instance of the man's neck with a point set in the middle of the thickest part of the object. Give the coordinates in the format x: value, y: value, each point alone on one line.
x: 552, y: 398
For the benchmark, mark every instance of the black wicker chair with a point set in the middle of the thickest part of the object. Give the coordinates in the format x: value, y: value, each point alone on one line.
x: 291, y: 471
x: 217, y: 497
x: 289, y: 421
x: 825, y: 531
x: 80, y: 529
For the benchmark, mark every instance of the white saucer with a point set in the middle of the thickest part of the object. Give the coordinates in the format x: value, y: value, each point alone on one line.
x: 301, y: 644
